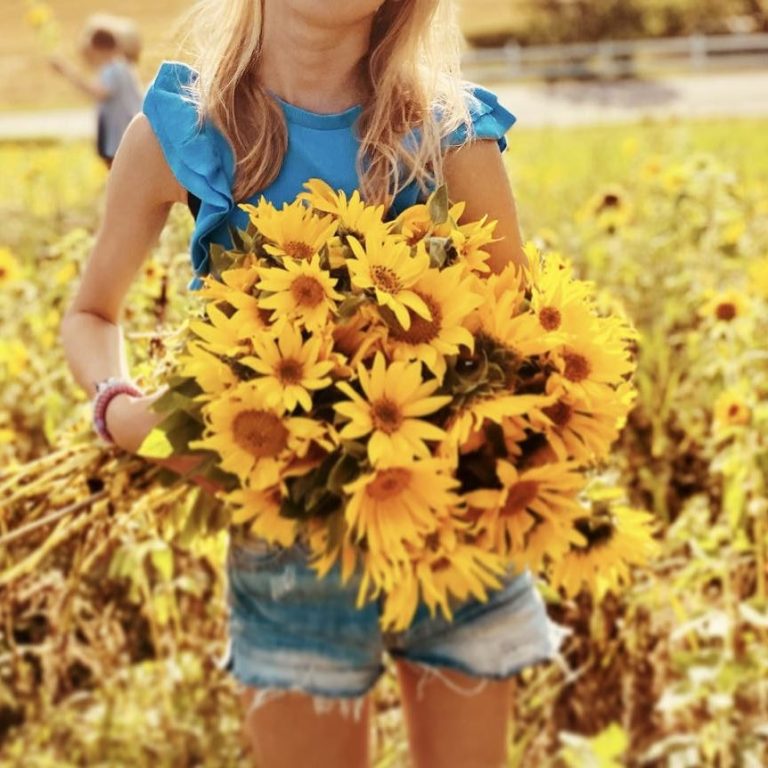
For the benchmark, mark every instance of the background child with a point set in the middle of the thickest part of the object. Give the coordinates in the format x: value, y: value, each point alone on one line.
x: 110, y: 45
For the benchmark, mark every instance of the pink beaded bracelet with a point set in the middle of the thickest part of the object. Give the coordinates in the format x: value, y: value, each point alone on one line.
x: 105, y: 391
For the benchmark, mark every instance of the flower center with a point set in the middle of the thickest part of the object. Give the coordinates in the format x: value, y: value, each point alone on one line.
x: 725, y: 311
x: 290, y: 371
x: 596, y: 535
x: 3, y: 273
x: 576, y: 367
x: 386, y: 279
x: 733, y: 410
x: 386, y: 416
x: 307, y: 291
x: 418, y: 233
x: 299, y: 250
x: 550, y: 318
x: 421, y: 331
x: 389, y: 483
x: 560, y: 413
x: 260, y: 433
x: 519, y: 497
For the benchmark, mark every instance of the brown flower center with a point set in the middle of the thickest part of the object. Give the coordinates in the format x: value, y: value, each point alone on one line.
x: 3, y: 273
x: 386, y: 416
x: 418, y: 233
x: 260, y: 433
x: 307, y: 291
x: 550, y: 318
x: 726, y: 310
x: 560, y: 413
x: 520, y: 496
x: 388, y: 483
x: 734, y: 410
x: 290, y: 371
x: 576, y: 367
x: 299, y: 250
x: 421, y: 331
x: 386, y: 279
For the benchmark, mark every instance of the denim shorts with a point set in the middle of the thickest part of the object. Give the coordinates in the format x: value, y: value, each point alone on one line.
x: 290, y: 630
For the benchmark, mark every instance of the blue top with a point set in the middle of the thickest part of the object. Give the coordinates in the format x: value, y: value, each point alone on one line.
x: 319, y: 146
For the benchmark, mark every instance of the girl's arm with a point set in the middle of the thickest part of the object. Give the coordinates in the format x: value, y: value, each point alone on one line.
x: 92, y: 87
x: 475, y: 173
x: 140, y: 191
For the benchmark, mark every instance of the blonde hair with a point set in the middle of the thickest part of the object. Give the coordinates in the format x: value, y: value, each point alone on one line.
x: 414, y: 81
x: 124, y: 30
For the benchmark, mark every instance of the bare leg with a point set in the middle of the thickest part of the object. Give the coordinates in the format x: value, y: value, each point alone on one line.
x: 287, y: 731
x: 455, y: 720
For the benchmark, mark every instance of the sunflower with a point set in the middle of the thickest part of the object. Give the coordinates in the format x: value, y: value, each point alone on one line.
x: 470, y: 240
x: 365, y: 222
x: 395, y: 398
x: 255, y: 441
x: 589, y: 366
x: 447, y: 569
x: 581, y: 430
x: 415, y: 223
x: 294, y: 232
x: 509, y: 513
x: 221, y: 333
x: 388, y: 268
x: 214, y: 376
x: 548, y: 538
x: 725, y: 306
x: 289, y: 367
x: 450, y: 299
x: 324, y: 554
x: 236, y: 289
x: 731, y: 409
x: 302, y: 290
x: 615, y: 541
x: 261, y: 510
x: 398, y: 504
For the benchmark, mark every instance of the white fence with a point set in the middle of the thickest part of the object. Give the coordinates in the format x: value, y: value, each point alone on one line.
x: 611, y: 59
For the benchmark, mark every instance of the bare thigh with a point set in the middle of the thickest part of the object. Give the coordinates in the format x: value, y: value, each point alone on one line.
x: 286, y: 732
x: 451, y: 729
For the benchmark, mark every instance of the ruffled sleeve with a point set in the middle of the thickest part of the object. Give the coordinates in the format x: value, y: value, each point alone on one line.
x: 199, y: 156
x: 490, y: 120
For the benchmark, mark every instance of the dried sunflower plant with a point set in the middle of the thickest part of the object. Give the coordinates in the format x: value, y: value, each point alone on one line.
x: 372, y: 389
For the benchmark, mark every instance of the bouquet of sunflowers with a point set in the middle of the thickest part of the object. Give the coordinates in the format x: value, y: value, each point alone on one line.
x: 372, y: 388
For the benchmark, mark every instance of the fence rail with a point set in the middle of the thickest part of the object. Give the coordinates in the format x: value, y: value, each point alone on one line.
x: 619, y: 58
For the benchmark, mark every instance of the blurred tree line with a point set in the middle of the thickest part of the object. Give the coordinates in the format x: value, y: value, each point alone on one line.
x: 530, y: 22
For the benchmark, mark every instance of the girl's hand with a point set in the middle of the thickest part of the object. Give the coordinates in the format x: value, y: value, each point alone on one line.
x: 130, y: 419
x: 58, y: 64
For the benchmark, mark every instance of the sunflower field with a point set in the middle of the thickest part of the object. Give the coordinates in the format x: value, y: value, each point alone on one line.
x: 112, y: 607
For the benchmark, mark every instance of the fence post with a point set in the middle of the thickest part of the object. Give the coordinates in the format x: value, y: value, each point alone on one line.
x: 698, y: 51
x: 513, y: 58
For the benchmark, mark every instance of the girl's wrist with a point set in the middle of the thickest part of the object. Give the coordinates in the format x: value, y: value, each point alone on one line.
x: 107, y: 390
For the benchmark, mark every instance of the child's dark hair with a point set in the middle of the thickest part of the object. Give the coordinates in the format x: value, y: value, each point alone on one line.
x: 102, y: 40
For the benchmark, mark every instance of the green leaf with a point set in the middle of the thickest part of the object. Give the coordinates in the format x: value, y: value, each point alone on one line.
x: 438, y: 205
x: 344, y: 471
x: 156, y: 445
x: 438, y: 251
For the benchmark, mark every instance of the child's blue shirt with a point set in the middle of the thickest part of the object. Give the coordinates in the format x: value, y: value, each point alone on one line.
x: 321, y: 146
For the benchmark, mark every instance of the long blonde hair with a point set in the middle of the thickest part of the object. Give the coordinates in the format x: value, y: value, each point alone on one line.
x: 414, y: 82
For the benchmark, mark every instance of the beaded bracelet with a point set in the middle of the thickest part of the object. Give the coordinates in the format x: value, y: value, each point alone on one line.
x: 105, y: 391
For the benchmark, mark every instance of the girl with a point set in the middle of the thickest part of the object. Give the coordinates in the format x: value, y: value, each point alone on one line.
x: 364, y: 94
x: 109, y: 45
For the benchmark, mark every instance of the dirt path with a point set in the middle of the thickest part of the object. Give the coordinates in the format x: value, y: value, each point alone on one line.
x: 713, y: 95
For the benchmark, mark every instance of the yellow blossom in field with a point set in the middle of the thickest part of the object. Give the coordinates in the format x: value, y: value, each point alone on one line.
x: 725, y: 306
x: 758, y: 277
x: 731, y: 409
x: 10, y: 269
x: 38, y: 15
